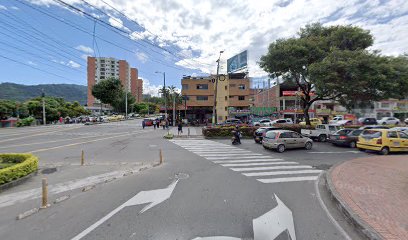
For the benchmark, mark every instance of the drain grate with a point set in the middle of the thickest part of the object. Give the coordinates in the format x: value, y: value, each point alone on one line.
x: 49, y: 170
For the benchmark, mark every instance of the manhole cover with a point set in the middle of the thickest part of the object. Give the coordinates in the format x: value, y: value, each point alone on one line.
x: 322, y: 166
x: 49, y: 170
x: 181, y: 176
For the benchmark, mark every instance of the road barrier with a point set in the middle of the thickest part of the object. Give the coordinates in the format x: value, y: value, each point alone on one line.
x: 161, y: 157
x: 82, y: 158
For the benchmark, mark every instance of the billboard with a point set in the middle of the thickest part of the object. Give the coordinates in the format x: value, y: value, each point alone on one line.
x: 237, y: 62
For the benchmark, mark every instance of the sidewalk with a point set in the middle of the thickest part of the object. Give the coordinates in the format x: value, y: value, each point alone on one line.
x: 373, y: 193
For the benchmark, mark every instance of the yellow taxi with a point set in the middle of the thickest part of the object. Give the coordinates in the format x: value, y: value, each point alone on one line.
x: 383, y: 140
x: 313, y: 121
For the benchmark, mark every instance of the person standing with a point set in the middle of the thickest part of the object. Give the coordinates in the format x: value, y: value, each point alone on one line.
x: 143, y: 124
x: 154, y: 124
x: 179, y: 128
x: 158, y: 123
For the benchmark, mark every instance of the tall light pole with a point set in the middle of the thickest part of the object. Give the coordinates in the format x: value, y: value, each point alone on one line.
x: 164, y: 93
x: 126, y: 98
x: 214, y: 117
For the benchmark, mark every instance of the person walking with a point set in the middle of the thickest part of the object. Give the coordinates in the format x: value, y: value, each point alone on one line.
x: 143, y: 124
x: 179, y: 128
x: 154, y: 124
x: 158, y: 123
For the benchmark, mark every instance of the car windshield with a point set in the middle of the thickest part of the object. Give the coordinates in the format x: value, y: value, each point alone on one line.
x: 371, y: 134
x: 271, y: 134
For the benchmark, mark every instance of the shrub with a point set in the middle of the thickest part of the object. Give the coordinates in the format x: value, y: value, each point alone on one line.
x: 24, y: 165
x: 246, y: 131
x: 168, y: 136
x: 25, y: 122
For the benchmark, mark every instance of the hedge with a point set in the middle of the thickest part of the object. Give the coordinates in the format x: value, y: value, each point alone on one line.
x: 25, y: 122
x: 25, y: 164
x: 246, y: 131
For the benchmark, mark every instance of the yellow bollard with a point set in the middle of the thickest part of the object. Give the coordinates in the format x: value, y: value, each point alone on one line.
x: 161, y: 157
x: 82, y: 158
x: 44, y: 193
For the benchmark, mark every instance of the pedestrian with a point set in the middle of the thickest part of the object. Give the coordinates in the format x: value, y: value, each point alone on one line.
x: 143, y: 124
x: 167, y: 124
x: 154, y: 124
x: 163, y: 123
x: 179, y: 128
x: 158, y: 123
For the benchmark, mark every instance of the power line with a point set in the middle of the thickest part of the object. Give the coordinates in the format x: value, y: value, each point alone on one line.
x: 41, y: 70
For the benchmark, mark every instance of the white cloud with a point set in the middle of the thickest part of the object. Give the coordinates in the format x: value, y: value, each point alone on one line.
x: 202, y: 28
x: 150, y: 88
x: 142, y: 57
x: 32, y: 63
x: 85, y: 49
x: 73, y: 64
x: 3, y: 7
x: 84, y: 56
x: 15, y: 8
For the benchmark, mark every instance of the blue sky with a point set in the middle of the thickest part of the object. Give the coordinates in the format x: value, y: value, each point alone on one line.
x: 178, y: 37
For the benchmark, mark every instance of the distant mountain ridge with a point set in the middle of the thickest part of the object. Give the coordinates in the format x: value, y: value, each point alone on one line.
x: 20, y: 92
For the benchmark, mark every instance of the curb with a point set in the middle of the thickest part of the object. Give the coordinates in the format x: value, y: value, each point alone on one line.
x: 360, y: 225
x: 17, y: 181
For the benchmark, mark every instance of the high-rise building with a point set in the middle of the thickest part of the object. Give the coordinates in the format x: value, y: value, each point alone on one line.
x: 100, y: 68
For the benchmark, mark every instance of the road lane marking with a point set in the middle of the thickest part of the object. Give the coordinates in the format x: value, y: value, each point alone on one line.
x: 229, y: 154
x: 236, y: 157
x: 257, y: 164
x: 249, y: 160
x: 79, y: 143
x: 288, y: 179
x: 154, y: 197
x: 274, y: 173
x: 337, y: 152
x: 269, y: 168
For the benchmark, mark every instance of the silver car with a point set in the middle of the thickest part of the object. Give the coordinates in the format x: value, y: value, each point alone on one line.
x: 280, y: 140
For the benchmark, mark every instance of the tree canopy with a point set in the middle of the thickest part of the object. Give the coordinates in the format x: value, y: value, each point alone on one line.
x: 333, y: 63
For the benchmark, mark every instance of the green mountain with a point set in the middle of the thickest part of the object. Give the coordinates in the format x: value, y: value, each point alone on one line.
x: 19, y: 92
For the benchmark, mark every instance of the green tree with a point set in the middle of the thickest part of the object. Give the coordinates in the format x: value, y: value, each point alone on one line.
x: 108, y: 91
x: 330, y: 63
x: 119, y: 104
x: 7, y: 108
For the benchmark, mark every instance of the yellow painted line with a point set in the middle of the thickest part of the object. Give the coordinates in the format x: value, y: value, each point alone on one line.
x: 90, y: 141
x: 43, y: 133
x: 62, y: 140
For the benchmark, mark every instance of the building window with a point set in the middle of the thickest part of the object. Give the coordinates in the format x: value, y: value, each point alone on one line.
x: 231, y: 96
x: 202, y: 86
x: 102, y: 77
x: 232, y: 85
x: 241, y: 98
x: 241, y: 86
x: 102, y: 69
x: 226, y: 88
x: 226, y: 98
x: 184, y: 86
x: 202, y: 98
x: 226, y: 108
x: 186, y: 98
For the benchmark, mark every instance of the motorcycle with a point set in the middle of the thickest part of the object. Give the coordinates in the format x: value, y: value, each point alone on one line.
x: 234, y: 138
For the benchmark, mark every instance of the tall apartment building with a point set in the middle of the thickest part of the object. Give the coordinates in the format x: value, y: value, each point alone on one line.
x: 232, y: 94
x: 104, y: 68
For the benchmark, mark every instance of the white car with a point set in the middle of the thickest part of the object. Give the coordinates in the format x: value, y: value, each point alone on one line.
x: 282, y: 121
x: 265, y: 122
x: 344, y: 122
x: 402, y: 129
x: 389, y: 121
x: 336, y: 119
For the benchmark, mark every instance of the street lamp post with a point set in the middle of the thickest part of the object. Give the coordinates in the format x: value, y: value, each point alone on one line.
x: 214, y: 117
x: 43, y: 107
x: 164, y: 93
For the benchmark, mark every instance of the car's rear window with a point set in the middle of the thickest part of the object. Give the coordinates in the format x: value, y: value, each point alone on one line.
x: 371, y: 134
x: 356, y: 132
x: 343, y: 131
x: 271, y: 134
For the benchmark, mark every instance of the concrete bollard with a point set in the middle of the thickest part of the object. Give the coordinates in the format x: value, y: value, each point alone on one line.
x: 82, y: 158
x: 44, y: 193
x: 188, y: 132
x: 161, y: 156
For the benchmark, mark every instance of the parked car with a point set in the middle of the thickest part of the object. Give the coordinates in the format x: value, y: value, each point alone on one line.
x: 367, y: 121
x: 336, y: 119
x: 406, y: 121
x: 231, y: 121
x: 148, y: 122
x: 322, y: 132
x: 255, y: 122
x: 389, y: 121
x: 265, y: 122
x: 345, y: 137
x: 402, y: 129
x: 374, y: 127
x: 383, y: 141
x: 282, y: 121
x: 313, y: 122
x: 344, y: 122
x: 260, y: 133
x: 280, y: 140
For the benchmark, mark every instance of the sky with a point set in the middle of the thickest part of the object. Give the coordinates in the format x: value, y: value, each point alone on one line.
x: 45, y: 41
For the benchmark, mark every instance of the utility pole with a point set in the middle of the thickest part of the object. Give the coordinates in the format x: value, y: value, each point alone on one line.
x: 43, y: 107
x: 126, y: 98
x: 185, y: 106
x: 148, y: 107
x: 214, y: 116
x: 174, y: 109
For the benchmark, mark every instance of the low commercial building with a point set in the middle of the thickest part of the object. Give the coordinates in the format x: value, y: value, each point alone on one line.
x: 232, y: 95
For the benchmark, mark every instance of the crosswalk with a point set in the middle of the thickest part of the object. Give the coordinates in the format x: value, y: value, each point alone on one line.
x: 263, y: 168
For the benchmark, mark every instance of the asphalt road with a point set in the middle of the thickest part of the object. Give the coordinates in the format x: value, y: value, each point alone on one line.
x: 208, y: 188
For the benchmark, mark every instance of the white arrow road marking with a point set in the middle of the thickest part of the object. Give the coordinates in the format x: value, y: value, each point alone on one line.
x: 268, y: 226
x: 153, y: 197
x: 274, y: 222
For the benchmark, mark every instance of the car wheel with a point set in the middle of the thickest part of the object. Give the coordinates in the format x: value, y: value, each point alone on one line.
x: 385, y: 151
x: 308, y: 145
x: 281, y: 148
x: 362, y: 150
x: 352, y: 144
x: 384, y: 123
x: 322, y: 138
x: 264, y: 147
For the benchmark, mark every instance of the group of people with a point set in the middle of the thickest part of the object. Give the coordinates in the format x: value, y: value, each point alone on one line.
x: 164, y: 124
